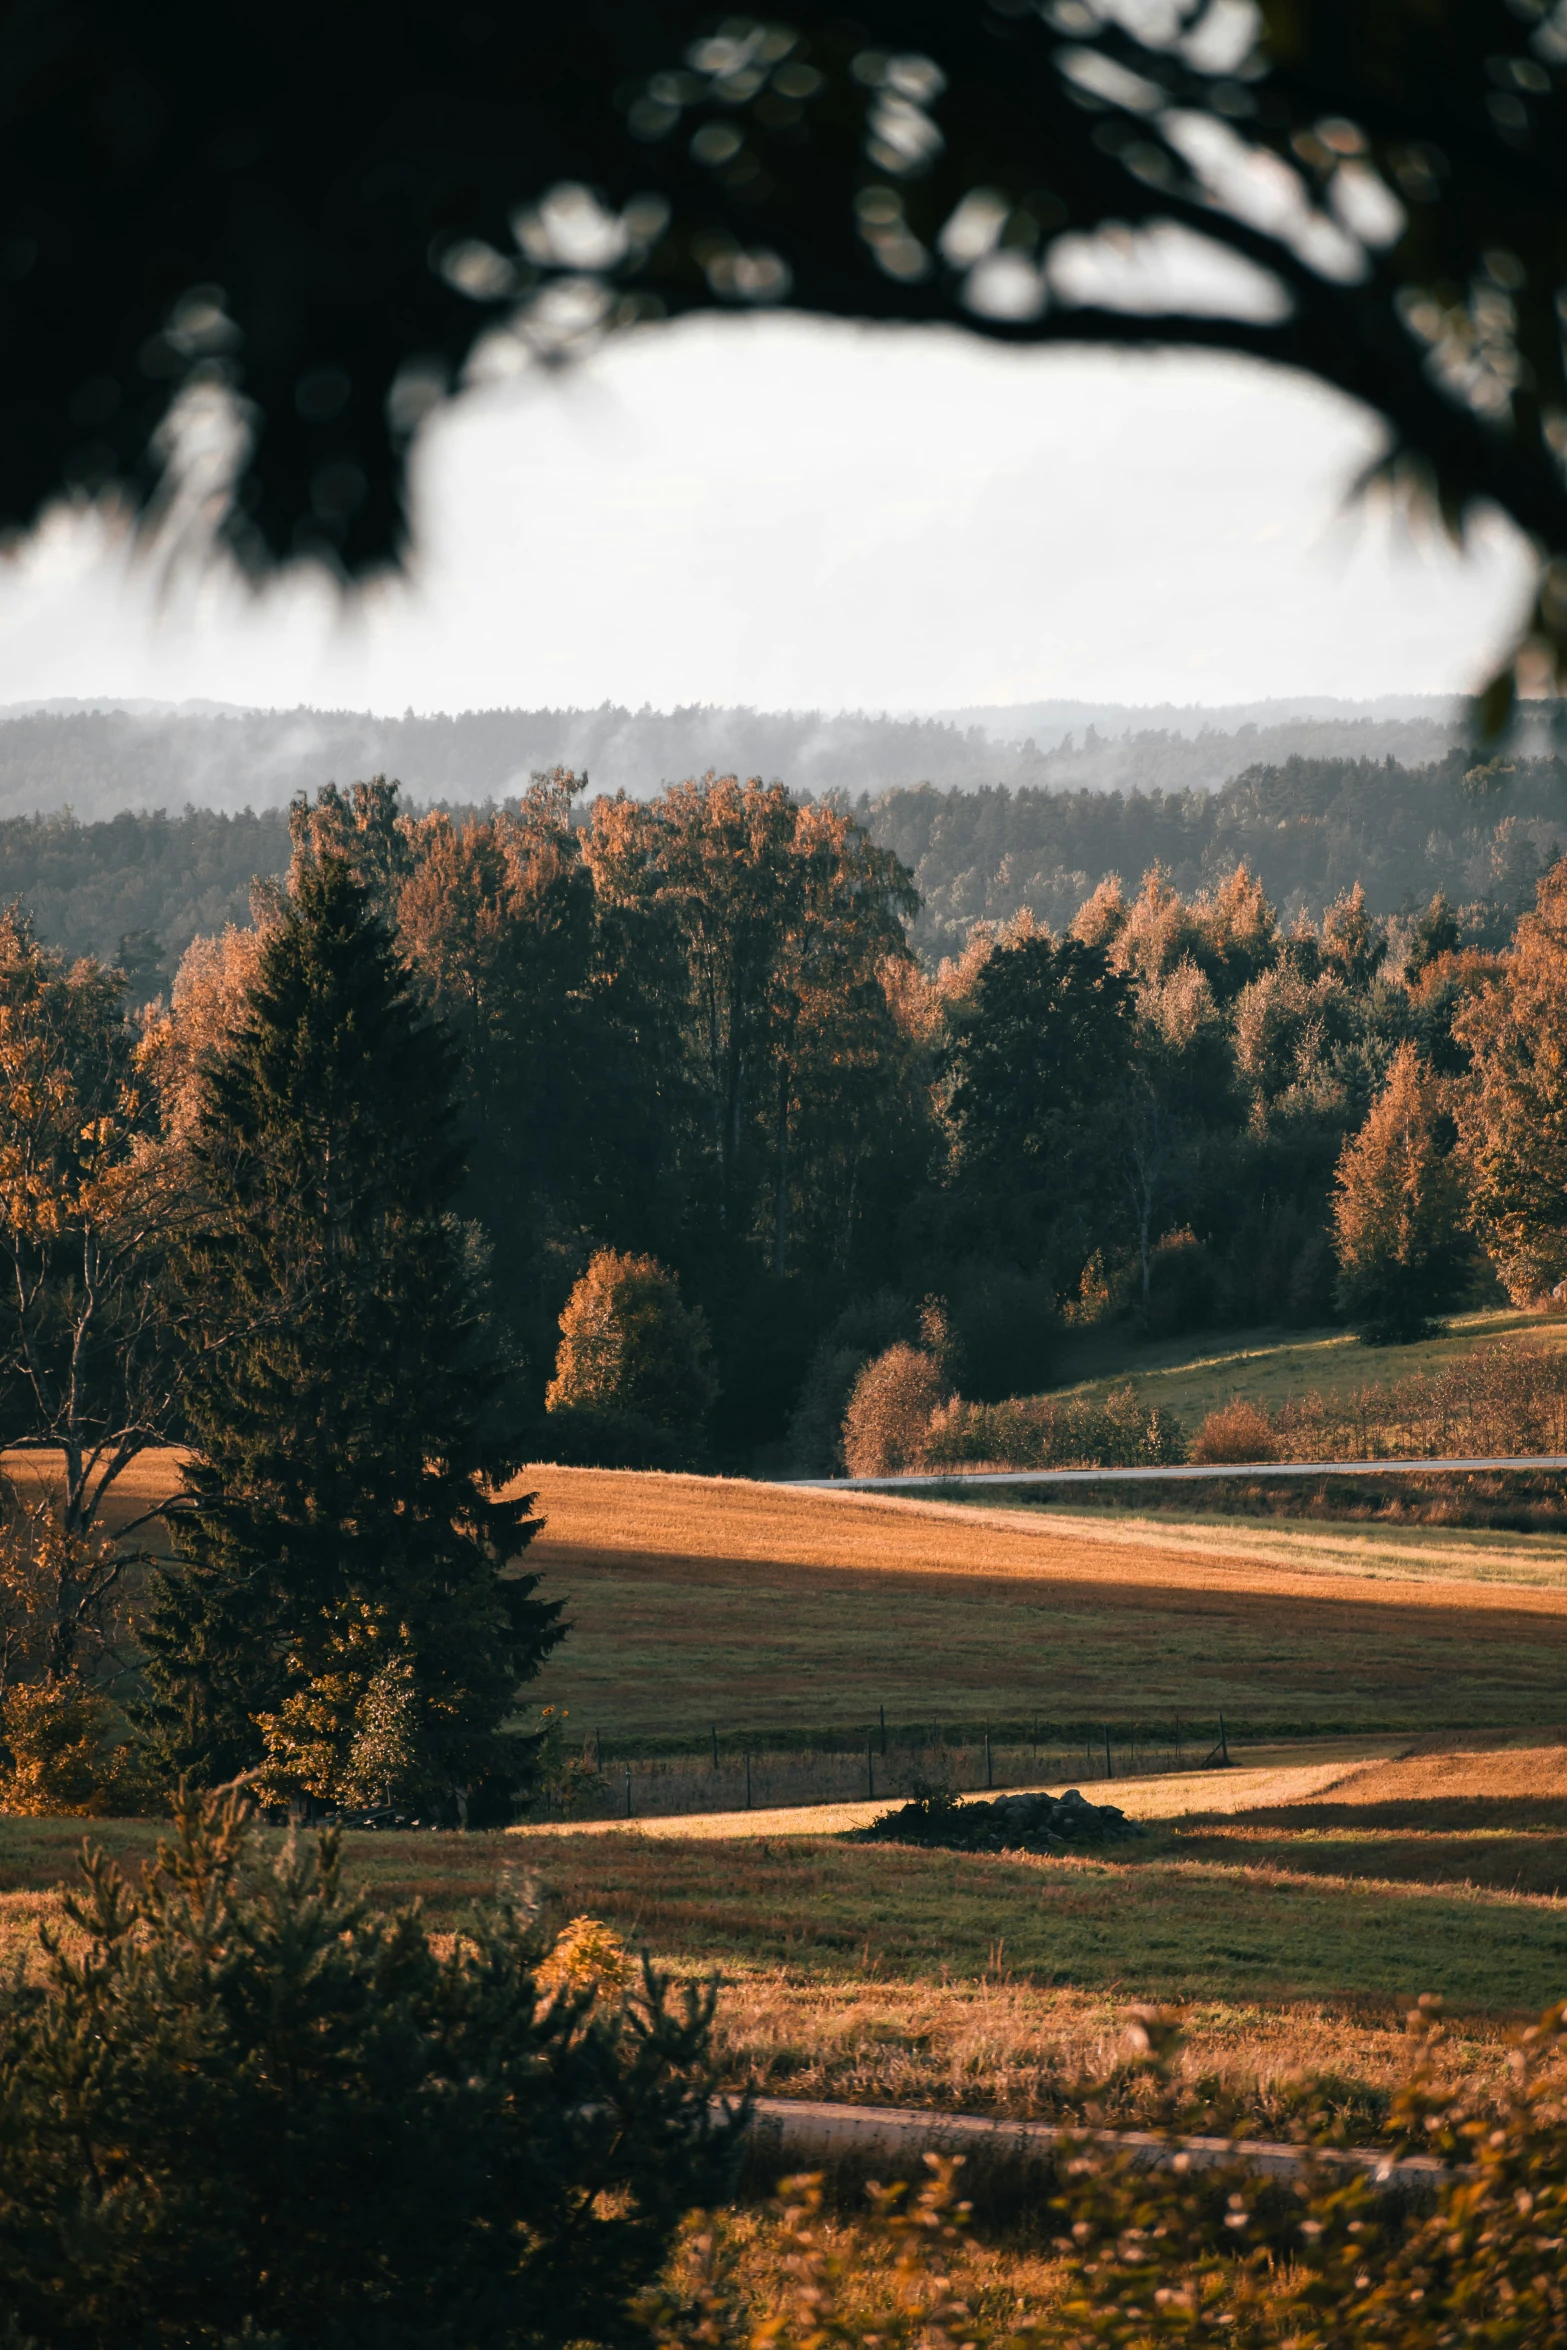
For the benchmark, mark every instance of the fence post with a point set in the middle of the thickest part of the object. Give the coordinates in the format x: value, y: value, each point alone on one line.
x: 628, y: 1791
x: 1036, y: 1737
x: 748, y: 1778
x: 1109, y: 1773
x: 870, y: 1771
x: 989, y: 1781
x: 715, y: 1746
x: 1224, y: 1745
x: 882, y: 1710
x: 598, y: 1751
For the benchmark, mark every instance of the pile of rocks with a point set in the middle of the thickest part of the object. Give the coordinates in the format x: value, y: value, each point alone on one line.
x: 1007, y: 1823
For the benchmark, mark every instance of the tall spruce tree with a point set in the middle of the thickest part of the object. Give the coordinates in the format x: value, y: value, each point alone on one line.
x: 345, y: 1608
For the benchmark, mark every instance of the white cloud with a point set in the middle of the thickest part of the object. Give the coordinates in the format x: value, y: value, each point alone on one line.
x: 780, y: 513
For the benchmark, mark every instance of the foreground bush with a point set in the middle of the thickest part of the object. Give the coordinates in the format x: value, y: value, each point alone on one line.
x: 245, y: 2107
x: 1171, y: 2255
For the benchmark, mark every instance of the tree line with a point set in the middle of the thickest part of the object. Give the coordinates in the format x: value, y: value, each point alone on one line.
x: 136, y: 888
x: 517, y: 1136
x: 1478, y: 830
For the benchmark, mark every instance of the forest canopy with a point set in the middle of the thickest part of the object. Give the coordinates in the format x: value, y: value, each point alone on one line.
x: 1037, y: 1057
x: 1480, y: 831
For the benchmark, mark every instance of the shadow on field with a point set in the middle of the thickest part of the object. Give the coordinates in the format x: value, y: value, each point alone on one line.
x: 1518, y: 1861
x: 1440, y: 1814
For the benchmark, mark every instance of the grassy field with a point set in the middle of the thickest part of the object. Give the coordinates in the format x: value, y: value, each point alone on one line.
x: 1295, y: 1928
x: 1193, y: 1377
x: 771, y: 1610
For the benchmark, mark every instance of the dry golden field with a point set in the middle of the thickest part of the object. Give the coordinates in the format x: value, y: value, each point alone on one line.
x: 1294, y: 1906
x: 771, y: 1608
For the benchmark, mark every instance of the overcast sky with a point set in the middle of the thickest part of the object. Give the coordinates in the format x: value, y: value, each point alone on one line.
x: 790, y: 515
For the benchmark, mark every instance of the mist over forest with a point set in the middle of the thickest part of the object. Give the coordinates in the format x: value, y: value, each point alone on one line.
x: 103, y: 759
x: 139, y: 887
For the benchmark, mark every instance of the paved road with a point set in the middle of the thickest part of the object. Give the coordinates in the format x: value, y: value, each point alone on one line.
x: 1205, y: 1470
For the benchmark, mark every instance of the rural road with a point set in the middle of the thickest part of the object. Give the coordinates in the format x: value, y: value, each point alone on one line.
x: 1203, y: 1470
x: 894, y: 2139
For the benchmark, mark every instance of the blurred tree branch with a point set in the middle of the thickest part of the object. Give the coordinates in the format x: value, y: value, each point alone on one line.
x: 334, y: 216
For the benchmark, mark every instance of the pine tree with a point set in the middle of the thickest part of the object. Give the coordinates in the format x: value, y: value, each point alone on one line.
x: 343, y: 1534
x: 241, y: 2107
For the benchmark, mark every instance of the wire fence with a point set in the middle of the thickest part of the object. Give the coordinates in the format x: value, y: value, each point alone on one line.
x: 745, y: 1775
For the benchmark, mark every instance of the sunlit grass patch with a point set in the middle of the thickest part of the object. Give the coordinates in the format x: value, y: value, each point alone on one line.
x: 760, y: 1610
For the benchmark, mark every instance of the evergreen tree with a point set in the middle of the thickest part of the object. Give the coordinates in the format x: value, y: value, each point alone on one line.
x: 240, y: 2107
x: 344, y: 1540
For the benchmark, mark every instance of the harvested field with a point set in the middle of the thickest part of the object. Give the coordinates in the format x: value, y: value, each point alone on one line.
x: 1170, y: 1519
x: 771, y: 1609
x: 152, y: 1479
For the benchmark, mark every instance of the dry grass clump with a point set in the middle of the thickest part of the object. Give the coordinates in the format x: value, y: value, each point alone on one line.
x: 796, y: 2276
x: 1236, y: 1432
x: 1025, y: 2054
x: 587, y: 1955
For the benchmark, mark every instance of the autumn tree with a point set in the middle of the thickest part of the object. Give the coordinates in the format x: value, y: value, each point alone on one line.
x: 887, y: 1423
x: 784, y: 916
x: 87, y: 1210
x: 1512, y: 1111
x: 631, y: 1353
x: 570, y: 1077
x: 67, y: 1657
x: 1398, y: 1210
x: 344, y: 1607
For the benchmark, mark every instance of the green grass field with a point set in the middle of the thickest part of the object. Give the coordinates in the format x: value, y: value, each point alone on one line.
x: 1191, y: 1377
x: 1295, y: 1935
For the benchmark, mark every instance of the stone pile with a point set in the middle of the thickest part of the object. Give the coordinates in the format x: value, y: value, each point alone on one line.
x: 1007, y: 1823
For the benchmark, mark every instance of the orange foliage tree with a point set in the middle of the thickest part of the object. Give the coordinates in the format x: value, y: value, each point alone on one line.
x: 86, y: 1209
x: 1398, y: 1210
x: 1512, y: 1113
x: 887, y: 1424
x: 630, y: 1349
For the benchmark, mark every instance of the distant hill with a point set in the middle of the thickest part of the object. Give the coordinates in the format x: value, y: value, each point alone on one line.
x: 1308, y: 828
x: 100, y: 759
x: 1046, y: 723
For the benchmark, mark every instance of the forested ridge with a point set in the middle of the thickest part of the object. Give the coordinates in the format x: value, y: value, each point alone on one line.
x: 1310, y: 828
x: 1479, y: 831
